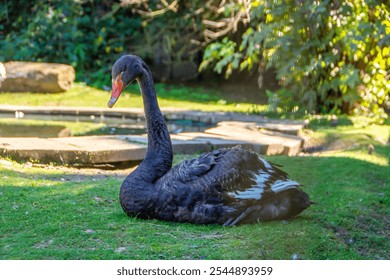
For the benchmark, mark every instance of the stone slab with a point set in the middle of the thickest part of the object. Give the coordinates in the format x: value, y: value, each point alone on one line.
x: 124, y: 148
x: 191, y: 142
x: 81, y: 150
x: 203, y: 142
x: 271, y: 143
x: 100, y: 149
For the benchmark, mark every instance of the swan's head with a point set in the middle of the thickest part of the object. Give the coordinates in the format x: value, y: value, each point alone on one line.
x: 124, y: 71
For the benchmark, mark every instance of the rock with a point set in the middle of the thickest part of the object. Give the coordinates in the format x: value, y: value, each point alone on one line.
x: 66, y: 132
x: 179, y: 71
x: 161, y: 72
x: 334, y: 121
x: 371, y: 149
x: 184, y: 71
x: 37, y: 77
x: 2, y: 72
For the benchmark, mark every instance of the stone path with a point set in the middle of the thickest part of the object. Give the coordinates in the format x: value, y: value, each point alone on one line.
x: 270, y: 137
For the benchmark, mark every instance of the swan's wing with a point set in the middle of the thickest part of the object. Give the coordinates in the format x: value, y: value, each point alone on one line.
x: 232, y: 181
x: 192, y: 169
x: 234, y: 172
x: 254, y: 189
x: 243, y: 174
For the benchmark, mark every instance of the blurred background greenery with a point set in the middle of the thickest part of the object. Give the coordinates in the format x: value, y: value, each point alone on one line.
x: 330, y: 56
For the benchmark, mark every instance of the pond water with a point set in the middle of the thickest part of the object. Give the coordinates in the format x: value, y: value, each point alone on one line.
x: 34, y: 125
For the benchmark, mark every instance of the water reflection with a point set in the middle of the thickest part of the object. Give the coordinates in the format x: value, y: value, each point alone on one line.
x: 35, y: 125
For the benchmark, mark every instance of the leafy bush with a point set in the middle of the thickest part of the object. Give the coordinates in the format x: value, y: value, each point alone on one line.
x: 89, y: 35
x: 330, y: 56
x: 172, y: 30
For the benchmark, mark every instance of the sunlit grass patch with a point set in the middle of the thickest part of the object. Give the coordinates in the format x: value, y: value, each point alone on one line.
x: 169, y: 96
x: 54, y: 212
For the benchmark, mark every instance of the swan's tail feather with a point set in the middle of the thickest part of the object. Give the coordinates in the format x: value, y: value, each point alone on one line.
x: 264, y: 185
x: 280, y: 186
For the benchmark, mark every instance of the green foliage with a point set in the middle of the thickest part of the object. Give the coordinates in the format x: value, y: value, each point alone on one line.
x: 89, y: 35
x: 225, y: 55
x: 172, y: 30
x: 330, y: 56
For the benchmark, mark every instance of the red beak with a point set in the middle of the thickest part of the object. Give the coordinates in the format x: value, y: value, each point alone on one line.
x: 117, y: 87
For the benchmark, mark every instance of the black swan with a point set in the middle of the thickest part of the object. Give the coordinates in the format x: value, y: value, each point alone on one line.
x: 228, y: 186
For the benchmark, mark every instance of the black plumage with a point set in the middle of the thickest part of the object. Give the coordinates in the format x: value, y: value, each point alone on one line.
x: 228, y: 186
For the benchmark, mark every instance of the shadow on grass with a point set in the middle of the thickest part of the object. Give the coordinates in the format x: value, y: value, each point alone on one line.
x: 60, y: 215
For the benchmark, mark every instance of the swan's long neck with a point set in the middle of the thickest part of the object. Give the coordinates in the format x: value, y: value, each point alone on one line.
x: 159, y: 152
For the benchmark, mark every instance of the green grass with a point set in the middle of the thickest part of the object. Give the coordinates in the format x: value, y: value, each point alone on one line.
x: 49, y: 212
x: 349, y: 136
x: 82, y: 95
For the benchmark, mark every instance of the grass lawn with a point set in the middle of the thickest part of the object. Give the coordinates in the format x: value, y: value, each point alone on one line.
x: 82, y: 95
x: 56, y: 212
